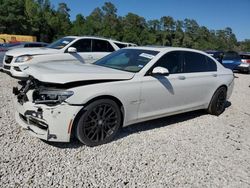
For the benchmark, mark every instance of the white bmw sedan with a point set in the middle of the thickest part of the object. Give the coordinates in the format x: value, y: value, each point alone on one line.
x: 92, y: 101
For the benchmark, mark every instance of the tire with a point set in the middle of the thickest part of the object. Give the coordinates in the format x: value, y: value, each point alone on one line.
x: 99, y: 122
x: 218, y: 102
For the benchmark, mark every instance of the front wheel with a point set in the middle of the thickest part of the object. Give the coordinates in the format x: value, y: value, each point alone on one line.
x: 218, y: 102
x: 99, y: 122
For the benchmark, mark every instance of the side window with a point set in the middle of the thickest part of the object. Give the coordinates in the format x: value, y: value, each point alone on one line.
x: 195, y: 62
x: 82, y: 45
x: 172, y: 61
x: 211, y: 65
x: 120, y: 45
x: 101, y: 46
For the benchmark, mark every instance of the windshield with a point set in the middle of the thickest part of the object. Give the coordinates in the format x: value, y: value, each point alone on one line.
x: 61, y: 43
x: 131, y: 60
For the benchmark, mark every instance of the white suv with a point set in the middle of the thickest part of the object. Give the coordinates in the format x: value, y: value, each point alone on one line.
x: 83, y: 49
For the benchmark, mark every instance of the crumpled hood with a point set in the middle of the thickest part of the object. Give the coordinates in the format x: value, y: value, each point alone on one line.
x: 31, y: 51
x: 65, y: 72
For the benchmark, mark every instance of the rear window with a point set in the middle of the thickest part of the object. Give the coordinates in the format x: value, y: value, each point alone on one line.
x: 231, y: 56
x: 245, y: 56
x: 120, y: 45
x: 101, y: 46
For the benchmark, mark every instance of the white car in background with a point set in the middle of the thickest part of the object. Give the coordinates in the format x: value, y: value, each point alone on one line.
x: 83, y: 49
x: 92, y: 101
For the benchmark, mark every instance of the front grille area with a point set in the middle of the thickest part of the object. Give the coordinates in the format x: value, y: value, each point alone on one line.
x: 17, y: 69
x: 34, y: 122
x: 6, y: 67
x: 8, y: 59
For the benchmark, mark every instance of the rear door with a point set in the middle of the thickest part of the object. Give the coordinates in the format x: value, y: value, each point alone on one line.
x: 201, y: 75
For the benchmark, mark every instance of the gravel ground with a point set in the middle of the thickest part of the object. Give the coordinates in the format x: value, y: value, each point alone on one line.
x: 188, y: 150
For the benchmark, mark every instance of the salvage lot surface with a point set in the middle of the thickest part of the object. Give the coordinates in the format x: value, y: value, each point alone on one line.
x: 191, y: 149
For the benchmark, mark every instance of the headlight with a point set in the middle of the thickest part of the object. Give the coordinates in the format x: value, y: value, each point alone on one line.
x: 23, y: 58
x: 51, y: 96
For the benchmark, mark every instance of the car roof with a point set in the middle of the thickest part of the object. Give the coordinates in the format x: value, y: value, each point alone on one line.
x: 246, y: 54
x: 165, y: 48
x: 214, y: 51
x: 96, y: 37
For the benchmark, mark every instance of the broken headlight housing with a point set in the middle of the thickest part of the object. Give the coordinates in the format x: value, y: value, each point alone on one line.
x: 51, y: 96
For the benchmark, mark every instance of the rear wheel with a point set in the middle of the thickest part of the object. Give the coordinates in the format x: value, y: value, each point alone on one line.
x: 99, y: 122
x: 218, y: 102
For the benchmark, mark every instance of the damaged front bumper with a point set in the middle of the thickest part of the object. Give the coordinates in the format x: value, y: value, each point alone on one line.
x: 51, y: 123
x: 47, y: 123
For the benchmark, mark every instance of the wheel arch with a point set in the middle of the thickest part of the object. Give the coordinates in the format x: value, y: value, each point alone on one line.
x: 223, y: 85
x: 78, y: 115
x: 211, y: 98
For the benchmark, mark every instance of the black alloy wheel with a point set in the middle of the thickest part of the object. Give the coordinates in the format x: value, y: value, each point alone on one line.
x: 99, y: 123
x: 218, y: 102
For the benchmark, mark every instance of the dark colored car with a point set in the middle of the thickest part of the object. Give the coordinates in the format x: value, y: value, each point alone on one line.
x: 230, y: 60
x: 218, y: 55
x: 245, y: 58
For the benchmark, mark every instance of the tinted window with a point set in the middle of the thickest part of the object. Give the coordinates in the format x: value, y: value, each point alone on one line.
x: 101, y: 46
x: 120, y: 45
x: 211, y: 65
x: 130, y: 60
x: 172, y: 61
x: 245, y: 56
x: 231, y: 56
x: 217, y: 55
x: 82, y: 45
x: 195, y: 62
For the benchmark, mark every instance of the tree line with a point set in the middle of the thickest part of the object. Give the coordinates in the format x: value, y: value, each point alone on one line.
x: 47, y: 23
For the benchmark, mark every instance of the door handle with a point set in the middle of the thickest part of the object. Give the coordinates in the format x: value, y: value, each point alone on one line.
x: 90, y: 57
x: 181, y: 77
x: 214, y: 75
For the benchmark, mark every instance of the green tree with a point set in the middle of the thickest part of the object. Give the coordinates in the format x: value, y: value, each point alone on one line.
x: 134, y: 28
x: 39, y: 18
x: 12, y: 17
x: 244, y: 45
x: 179, y: 34
x: 191, y: 34
x: 93, y: 22
x: 78, y: 26
x: 168, y: 27
x: 110, y: 21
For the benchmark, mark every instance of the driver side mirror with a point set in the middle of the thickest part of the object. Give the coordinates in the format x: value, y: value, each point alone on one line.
x: 160, y: 71
x: 72, y: 50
